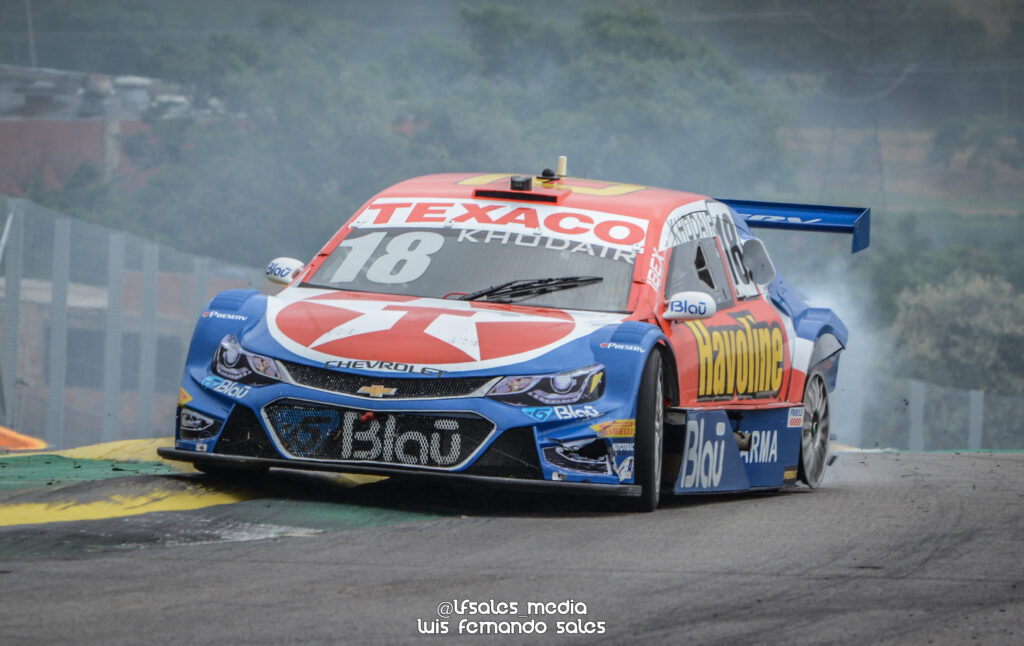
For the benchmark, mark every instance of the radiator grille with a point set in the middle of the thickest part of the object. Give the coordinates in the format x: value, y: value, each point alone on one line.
x: 513, y: 455
x: 244, y: 435
x: 419, y: 439
x: 404, y: 387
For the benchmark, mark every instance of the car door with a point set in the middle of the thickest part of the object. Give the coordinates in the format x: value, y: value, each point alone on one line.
x: 740, y: 355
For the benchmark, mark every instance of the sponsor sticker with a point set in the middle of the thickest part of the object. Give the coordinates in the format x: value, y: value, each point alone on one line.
x: 201, y: 447
x: 624, y: 469
x: 227, y: 387
x: 594, y: 227
x: 764, y: 447
x: 576, y: 412
x: 796, y: 417
x: 382, y: 366
x: 631, y: 347
x: 616, y: 428
x: 789, y: 474
x: 226, y: 316
x: 544, y: 413
x: 705, y: 455
x: 183, y: 397
x: 698, y: 308
x: 539, y: 413
x: 745, y: 358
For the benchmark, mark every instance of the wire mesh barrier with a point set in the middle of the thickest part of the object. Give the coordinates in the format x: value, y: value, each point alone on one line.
x: 95, y: 325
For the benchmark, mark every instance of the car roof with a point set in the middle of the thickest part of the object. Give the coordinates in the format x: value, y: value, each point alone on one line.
x: 646, y: 202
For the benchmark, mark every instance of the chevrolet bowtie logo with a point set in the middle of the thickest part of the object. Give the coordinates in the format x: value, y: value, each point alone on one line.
x: 376, y: 390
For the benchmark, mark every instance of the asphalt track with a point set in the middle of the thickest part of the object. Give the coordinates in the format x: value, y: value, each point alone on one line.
x: 895, y: 548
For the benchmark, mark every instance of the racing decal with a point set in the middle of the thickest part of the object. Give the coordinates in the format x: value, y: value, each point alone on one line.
x: 383, y: 366
x: 581, y: 186
x: 375, y: 438
x: 183, y: 397
x: 539, y: 413
x: 745, y: 358
x: 631, y: 347
x: 541, y: 220
x: 795, y: 419
x: 482, y: 236
x: 227, y: 387
x: 656, y: 270
x: 544, y: 413
x: 711, y: 459
x: 699, y: 307
x: 576, y: 412
x: 624, y: 469
x: 616, y: 428
x: 224, y: 316
x: 789, y: 475
x: 707, y: 219
x: 422, y: 334
x: 764, y: 447
x: 703, y: 456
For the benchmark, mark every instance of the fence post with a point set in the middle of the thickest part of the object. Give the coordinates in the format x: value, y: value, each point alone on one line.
x: 199, y: 271
x: 916, y: 439
x: 975, y: 419
x: 148, y: 339
x: 13, y: 259
x: 58, y: 363
x: 112, y: 342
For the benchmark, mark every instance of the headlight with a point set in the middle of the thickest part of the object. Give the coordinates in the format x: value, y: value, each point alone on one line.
x: 233, y: 362
x: 573, y: 387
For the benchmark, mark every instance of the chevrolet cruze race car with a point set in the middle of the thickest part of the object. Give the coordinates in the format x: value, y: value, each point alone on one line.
x: 533, y: 331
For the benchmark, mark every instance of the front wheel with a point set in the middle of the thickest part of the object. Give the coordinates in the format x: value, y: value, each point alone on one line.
x: 815, y: 433
x: 650, y: 424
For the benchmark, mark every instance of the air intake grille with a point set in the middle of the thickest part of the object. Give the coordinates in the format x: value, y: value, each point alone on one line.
x: 513, y: 455
x: 356, y: 435
x: 244, y: 435
x: 404, y: 387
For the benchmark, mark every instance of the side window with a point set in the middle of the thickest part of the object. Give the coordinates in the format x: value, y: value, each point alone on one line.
x: 696, y: 266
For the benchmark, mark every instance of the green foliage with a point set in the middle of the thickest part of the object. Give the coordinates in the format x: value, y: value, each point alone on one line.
x: 84, y: 191
x: 964, y: 332
x: 314, y: 127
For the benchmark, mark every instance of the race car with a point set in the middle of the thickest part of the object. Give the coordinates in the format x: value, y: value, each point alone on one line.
x: 530, y: 331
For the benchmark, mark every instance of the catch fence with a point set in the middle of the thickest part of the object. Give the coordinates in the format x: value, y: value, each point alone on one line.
x: 94, y: 326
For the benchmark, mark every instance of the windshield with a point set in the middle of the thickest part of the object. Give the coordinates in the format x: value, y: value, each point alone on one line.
x: 438, y: 262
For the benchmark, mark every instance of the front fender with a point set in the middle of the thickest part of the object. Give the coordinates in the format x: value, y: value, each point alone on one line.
x: 230, y: 311
x: 624, y: 349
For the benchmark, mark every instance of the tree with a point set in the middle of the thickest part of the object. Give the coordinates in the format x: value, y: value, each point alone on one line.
x: 966, y: 332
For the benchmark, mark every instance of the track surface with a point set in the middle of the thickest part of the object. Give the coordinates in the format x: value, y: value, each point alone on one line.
x: 895, y: 548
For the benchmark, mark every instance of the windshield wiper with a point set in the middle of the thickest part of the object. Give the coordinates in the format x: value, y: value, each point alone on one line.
x: 526, y: 287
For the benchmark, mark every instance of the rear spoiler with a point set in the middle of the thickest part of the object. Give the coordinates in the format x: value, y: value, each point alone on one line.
x: 807, y: 217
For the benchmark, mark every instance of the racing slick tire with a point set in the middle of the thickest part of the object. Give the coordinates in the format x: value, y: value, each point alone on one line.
x: 650, y: 432
x: 814, y: 438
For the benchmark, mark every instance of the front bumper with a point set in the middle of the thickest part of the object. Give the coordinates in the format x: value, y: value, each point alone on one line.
x: 312, y: 465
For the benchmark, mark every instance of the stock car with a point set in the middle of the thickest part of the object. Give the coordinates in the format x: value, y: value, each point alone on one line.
x: 531, y: 331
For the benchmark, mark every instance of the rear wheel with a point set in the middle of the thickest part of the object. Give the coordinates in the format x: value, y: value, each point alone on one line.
x: 650, y: 427
x: 815, y: 432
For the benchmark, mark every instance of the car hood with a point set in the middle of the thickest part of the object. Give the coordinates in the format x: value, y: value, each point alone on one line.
x: 380, y: 332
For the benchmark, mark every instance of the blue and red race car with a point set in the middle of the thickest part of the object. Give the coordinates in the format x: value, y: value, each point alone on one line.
x: 534, y: 331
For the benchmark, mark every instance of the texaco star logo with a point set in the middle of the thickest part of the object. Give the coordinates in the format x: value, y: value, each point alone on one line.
x: 416, y: 331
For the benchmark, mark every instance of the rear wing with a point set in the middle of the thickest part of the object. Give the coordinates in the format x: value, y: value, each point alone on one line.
x: 807, y: 217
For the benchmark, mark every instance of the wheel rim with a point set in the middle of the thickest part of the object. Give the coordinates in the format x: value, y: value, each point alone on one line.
x: 815, y: 435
